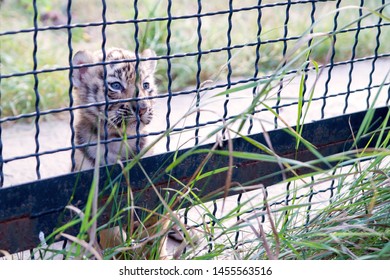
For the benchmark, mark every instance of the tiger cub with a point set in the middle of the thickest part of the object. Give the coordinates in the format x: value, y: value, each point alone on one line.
x: 121, y: 116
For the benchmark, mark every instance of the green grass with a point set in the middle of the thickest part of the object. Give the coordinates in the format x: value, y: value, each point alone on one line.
x: 18, y: 95
x: 353, y: 223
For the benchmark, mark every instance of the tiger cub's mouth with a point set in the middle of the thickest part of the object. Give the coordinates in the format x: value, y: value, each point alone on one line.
x: 126, y: 116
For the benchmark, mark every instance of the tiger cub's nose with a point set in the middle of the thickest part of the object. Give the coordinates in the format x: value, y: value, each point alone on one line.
x: 142, y: 108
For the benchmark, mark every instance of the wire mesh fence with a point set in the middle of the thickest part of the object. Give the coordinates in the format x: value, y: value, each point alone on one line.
x: 289, y: 62
x: 237, y: 53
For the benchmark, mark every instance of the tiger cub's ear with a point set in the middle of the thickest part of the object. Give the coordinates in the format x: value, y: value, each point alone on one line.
x: 150, y: 64
x: 80, y: 74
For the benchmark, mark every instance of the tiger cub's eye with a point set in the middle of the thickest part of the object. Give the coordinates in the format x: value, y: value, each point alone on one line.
x: 146, y: 85
x: 115, y: 86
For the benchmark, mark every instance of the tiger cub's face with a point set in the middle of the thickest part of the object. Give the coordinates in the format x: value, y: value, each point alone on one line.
x: 122, y: 85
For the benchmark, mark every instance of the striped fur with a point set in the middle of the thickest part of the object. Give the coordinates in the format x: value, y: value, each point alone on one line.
x: 122, y: 83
